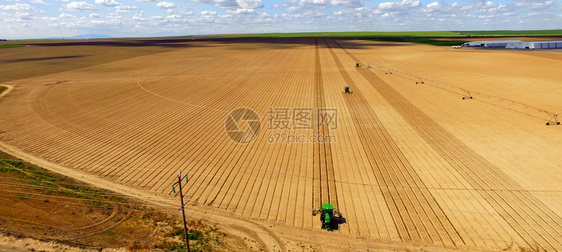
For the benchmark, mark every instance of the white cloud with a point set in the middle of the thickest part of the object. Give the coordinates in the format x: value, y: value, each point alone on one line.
x: 241, y: 11
x: 401, y: 6
x: 347, y: 3
x: 108, y: 2
x: 234, y: 4
x: 125, y: 8
x: 310, y: 4
x: 23, y: 16
x: 139, y: 17
x: 64, y: 15
x: 432, y: 7
x: 535, y: 5
x: 17, y: 7
x: 434, y: 4
x: 240, y: 16
x: 166, y: 5
x: 250, y: 4
x: 38, y: 2
x: 79, y: 6
x: 316, y: 2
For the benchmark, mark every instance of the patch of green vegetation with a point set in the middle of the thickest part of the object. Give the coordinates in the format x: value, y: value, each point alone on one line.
x: 397, y: 34
x: 348, y: 34
x: 35, y: 39
x: 55, y: 184
x: 423, y: 34
x: 422, y: 41
x: 2, y: 88
x: 177, y: 231
x: 202, y: 237
x: 503, y: 33
x: 11, y: 46
x: 195, y: 235
x: 22, y: 197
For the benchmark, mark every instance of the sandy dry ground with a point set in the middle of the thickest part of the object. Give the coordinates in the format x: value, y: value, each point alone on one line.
x: 12, y: 244
x: 411, y: 165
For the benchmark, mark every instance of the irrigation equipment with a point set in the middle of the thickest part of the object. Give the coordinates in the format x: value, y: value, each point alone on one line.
x: 553, y: 120
x: 467, y: 96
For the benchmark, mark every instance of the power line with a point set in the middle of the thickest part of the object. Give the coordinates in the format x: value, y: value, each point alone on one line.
x: 179, y: 183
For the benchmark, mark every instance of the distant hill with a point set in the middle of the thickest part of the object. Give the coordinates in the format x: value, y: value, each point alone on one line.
x: 91, y: 36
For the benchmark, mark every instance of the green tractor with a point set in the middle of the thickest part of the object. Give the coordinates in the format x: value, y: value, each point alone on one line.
x: 330, y: 218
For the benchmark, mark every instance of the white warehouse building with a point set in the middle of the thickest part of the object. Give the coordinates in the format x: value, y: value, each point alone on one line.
x: 546, y: 44
x: 515, y: 44
x: 490, y: 43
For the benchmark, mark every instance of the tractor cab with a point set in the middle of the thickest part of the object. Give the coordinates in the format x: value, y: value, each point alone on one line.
x: 328, y: 217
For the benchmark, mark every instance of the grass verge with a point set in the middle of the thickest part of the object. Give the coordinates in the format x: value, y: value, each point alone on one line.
x: 421, y: 41
x: 418, y: 34
x: 524, y: 33
x: 2, y: 89
x: 11, y: 46
x: 348, y: 34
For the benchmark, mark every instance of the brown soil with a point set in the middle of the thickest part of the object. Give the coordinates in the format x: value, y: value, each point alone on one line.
x: 414, y: 166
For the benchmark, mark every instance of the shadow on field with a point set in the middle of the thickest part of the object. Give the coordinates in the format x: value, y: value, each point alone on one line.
x: 250, y: 43
x: 278, y: 43
x: 171, y: 43
x: 65, y: 55
x: 336, y: 222
x: 43, y: 58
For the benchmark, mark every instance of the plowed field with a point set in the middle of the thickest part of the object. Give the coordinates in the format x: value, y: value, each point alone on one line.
x: 464, y: 160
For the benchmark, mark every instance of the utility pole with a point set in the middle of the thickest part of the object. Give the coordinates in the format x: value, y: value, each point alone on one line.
x: 180, y: 179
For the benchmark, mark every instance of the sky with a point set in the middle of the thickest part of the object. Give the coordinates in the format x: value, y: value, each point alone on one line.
x: 26, y: 19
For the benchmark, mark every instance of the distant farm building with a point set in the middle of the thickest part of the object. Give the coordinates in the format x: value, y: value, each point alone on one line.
x: 515, y: 44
